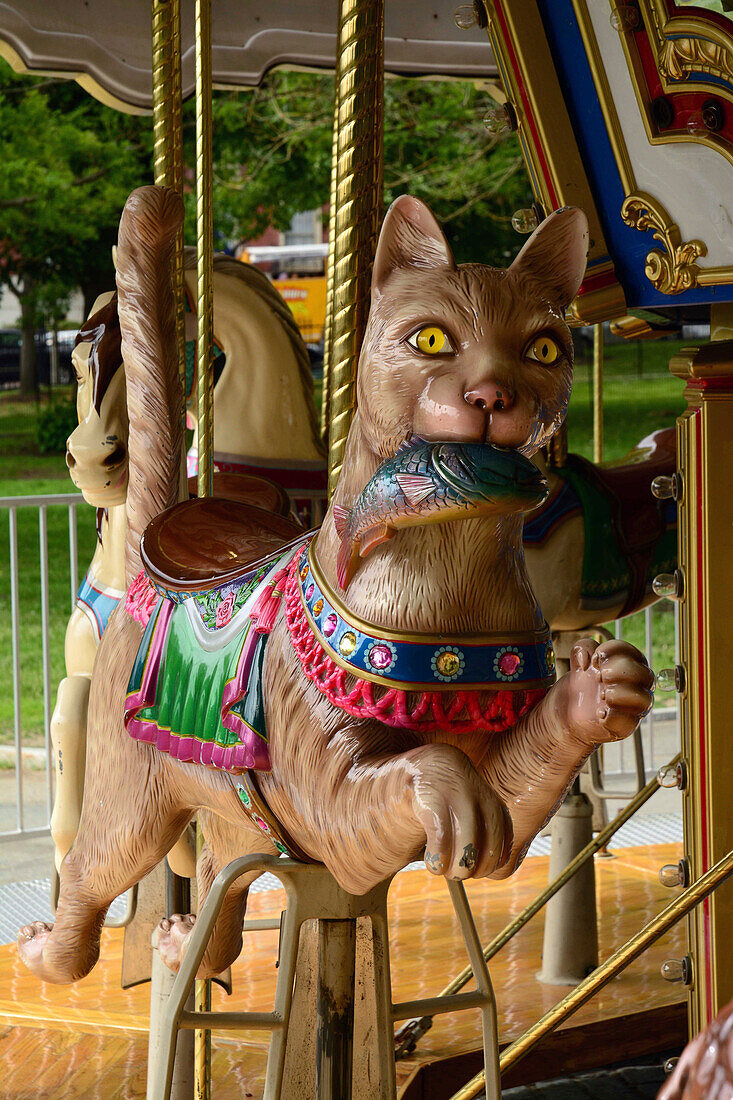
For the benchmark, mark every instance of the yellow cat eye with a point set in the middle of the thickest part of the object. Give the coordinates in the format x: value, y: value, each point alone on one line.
x: 431, y: 340
x: 543, y: 349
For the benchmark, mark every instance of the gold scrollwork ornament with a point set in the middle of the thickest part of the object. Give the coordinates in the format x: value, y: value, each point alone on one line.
x: 671, y: 269
x: 677, y: 58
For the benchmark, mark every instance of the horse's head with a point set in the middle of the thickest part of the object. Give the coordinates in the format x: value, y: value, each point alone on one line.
x: 96, y: 451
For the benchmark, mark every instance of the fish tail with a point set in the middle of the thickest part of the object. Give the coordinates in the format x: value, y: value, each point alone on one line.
x: 345, y: 561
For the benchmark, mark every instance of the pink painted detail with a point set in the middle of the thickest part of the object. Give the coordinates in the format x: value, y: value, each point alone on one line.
x: 309, y: 592
x: 330, y: 625
x: 509, y: 663
x: 224, y: 610
x: 380, y: 656
x: 267, y: 605
x: 457, y: 711
x: 141, y: 599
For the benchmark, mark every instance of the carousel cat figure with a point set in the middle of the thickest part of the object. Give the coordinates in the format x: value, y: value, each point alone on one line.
x: 358, y: 716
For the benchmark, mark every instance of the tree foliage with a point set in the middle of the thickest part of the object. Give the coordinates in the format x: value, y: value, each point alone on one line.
x: 69, y: 163
x: 272, y: 151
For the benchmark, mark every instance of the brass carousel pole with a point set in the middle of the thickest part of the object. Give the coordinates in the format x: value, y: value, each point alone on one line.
x: 598, y: 393
x: 205, y: 311
x: 360, y: 67
x: 328, y: 326
x: 168, y: 141
x: 168, y: 171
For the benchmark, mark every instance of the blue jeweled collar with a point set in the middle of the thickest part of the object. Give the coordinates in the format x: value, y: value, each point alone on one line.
x: 419, y: 662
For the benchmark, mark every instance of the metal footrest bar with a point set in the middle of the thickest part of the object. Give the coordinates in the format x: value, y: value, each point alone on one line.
x: 434, y: 1005
x: 319, y: 898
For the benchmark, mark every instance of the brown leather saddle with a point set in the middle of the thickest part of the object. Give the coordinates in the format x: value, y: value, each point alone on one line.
x: 637, y: 516
x: 248, y: 489
x: 200, y: 544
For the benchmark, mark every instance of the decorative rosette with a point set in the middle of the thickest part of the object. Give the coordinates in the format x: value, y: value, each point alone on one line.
x: 447, y: 663
x: 508, y: 663
x: 381, y: 657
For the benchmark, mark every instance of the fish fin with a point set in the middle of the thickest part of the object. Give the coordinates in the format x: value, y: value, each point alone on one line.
x: 340, y: 519
x: 416, y: 487
x: 373, y: 537
x: 410, y: 443
x: 345, y: 562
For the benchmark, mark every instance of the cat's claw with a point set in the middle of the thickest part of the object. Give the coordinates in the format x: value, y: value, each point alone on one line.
x: 171, y: 938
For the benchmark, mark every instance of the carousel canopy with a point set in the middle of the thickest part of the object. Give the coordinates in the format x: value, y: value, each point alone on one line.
x: 108, y: 46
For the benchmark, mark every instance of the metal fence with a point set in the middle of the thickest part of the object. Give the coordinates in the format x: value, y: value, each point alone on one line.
x: 41, y: 504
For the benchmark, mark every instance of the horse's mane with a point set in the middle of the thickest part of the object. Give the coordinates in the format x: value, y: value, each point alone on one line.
x: 257, y: 281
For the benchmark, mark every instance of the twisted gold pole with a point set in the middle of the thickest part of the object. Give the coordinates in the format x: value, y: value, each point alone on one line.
x: 328, y: 326
x: 358, y: 204
x: 598, y: 393
x: 205, y: 247
x: 168, y: 143
x: 205, y: 332
x: 621, y: 958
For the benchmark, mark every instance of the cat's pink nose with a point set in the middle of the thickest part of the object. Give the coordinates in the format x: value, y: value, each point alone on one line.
x: 489, y: 397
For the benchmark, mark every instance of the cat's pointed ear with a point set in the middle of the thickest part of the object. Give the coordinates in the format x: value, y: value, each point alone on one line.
x: 555, y: 255
x: 410, y: 237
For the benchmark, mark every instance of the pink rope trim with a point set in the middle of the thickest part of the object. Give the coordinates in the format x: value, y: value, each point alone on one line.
x: 459, y: 711
x: 141, y: 599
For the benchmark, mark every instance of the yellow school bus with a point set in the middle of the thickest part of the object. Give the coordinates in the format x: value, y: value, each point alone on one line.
x: 303, y: 290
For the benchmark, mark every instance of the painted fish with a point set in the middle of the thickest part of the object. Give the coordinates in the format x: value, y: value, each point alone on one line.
x: 433, y: 483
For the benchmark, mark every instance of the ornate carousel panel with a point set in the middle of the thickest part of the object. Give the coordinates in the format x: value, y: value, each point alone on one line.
x: 645, y: 108
x: 109, y: 47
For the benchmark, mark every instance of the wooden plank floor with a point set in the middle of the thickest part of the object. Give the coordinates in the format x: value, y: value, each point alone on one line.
x: 89, y: 1041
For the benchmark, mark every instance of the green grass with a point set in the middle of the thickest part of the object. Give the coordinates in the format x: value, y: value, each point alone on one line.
x: 634, y: 404
x: 24, y: 472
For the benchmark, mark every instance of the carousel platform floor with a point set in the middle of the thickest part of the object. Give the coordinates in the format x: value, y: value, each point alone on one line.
x: 89, y: 1041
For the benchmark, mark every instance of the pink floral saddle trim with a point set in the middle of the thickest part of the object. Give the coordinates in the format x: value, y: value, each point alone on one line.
x: 425, y: 711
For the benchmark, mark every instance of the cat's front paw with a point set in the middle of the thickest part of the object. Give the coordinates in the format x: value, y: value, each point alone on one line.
x: 610, y: 689
x: 467, y: 829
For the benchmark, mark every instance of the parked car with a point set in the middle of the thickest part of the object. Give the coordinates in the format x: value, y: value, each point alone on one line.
x: 10, y: 345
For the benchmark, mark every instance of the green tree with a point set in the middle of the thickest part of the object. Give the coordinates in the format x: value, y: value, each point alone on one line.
x: 69, y: 163
x: 272, y: 154
x: 67, y: 166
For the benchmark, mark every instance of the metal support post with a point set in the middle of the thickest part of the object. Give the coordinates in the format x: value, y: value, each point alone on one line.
x: 335, y: 1034
x: 570, y: 943
x: 161, y: 984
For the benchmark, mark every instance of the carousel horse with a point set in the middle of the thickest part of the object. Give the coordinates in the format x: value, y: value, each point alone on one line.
x: 257, y: 345
x: 595, y: 545
x: 361, y: 696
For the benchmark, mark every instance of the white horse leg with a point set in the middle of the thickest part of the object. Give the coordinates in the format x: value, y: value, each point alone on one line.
x: 69, y: 739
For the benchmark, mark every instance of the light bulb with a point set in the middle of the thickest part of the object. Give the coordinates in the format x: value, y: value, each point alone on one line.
x: 625, y: 17
x: 678, y: 970
x: 465, y: 17
x: 664, y: 487
x: 525, y: 220
x: 672, y: 970
x: 671, y: 679
x: 668, y: 585
x: 674, y: 874
x: 498, y: 120
x: 673, y: 775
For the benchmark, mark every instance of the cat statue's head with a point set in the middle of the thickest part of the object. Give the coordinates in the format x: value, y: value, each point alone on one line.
x: 468, y: 353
